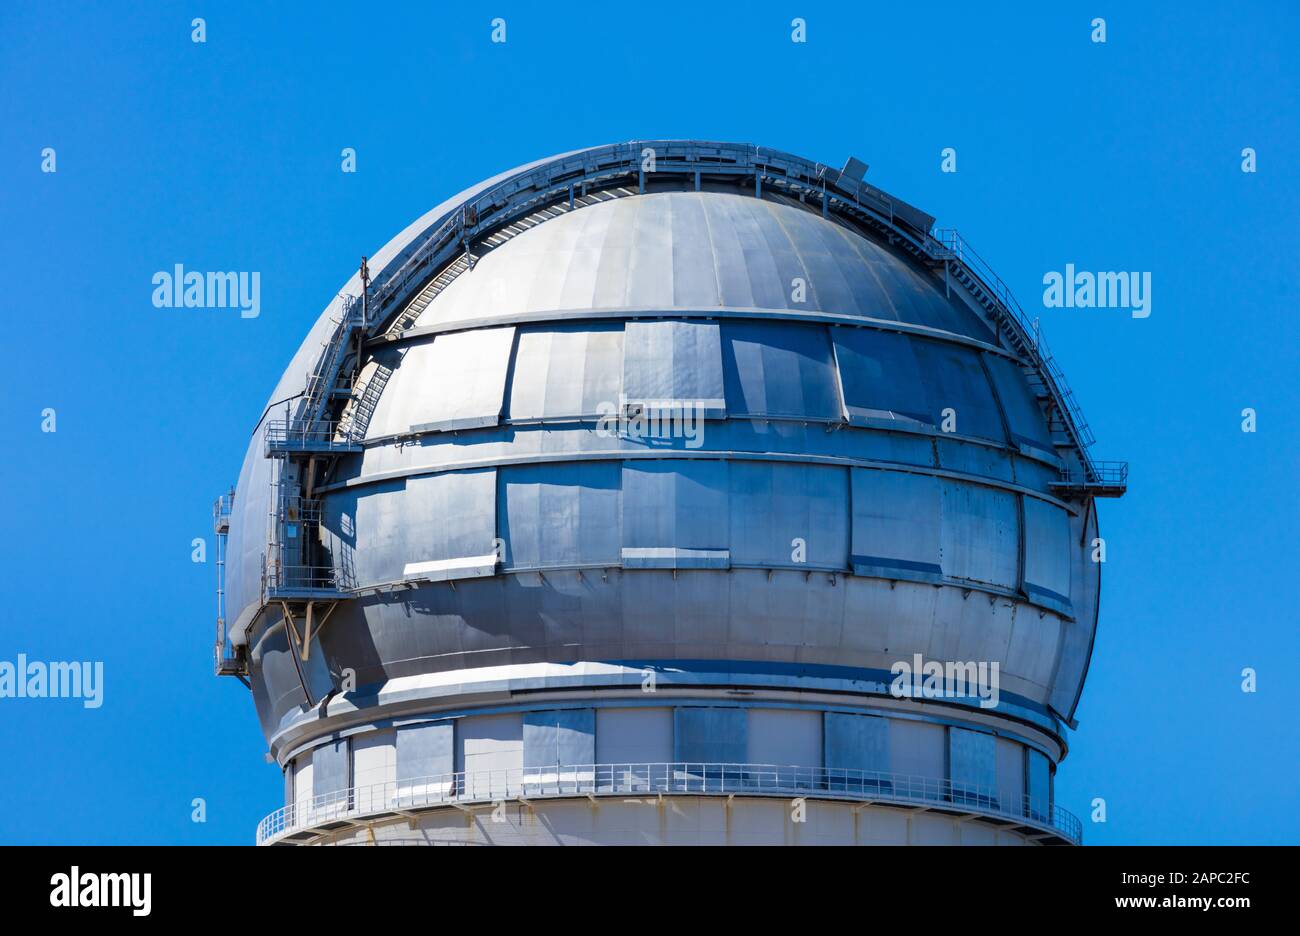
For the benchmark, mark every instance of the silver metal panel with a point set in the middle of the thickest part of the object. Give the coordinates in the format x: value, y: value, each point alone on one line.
x: 611, y: 283
x: 854, y: 168
x: 425, y: 750
x: 980, y: 534
x: 779, y: 370
x: 303, y: 789
x: 739, y: 615
x: 972, y: 759
x: 331, y: 765
x: 374, y: 533
x: 1010, y: 757
x: 769, y: 261
x: 897, y: 525
x: 674, y: 362
x: 710, y: 735
x: 789, y: 515
x: 916, y: 749
x: 277, y: 688
x: 956, y: 381
x: 881, y: 377
x: 856, y: 742
x: 458, y: 382
x: 559, y: 737
x: 676, y: 505
x: 374, y: 759
x: 829, y: 260
x: 491, y: 747
x: 459, y: 511
x: 1038, y: 780
x: 983, y: 461
x: 1047, y: 555
x: 634, y: 736
x: 1078, y: 634
x: 455, y: 382
x: 566, y: 372
x: 784, y: 737
x: 695, y: 284
x: 650, y: 272
x: 1025, y: 417
x: 735, y: 284
x: 564, y: 514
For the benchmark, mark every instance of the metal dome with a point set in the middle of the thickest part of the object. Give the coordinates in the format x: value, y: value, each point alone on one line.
x: 877, y: 462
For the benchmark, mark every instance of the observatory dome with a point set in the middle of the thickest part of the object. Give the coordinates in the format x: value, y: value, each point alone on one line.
x: 610, y: 466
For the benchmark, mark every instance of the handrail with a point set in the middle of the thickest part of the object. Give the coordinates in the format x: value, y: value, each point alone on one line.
x: 948, y: 244
x: 221, y: 509
x: 321, y: 378
x: 544, y: 184
x: 1103, y: 473
x: 287, y: 434
x: 681, y: 777
x: 303, y: 578
x: 519, y: 193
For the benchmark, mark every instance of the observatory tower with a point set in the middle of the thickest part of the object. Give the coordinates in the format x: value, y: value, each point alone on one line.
x: 667, y: 492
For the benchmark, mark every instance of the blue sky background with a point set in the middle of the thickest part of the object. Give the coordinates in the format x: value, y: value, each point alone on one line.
x: 226, y: 156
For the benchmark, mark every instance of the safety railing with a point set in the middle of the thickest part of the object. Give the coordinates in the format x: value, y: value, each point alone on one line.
x: 293, y: 508
x: 301, y: 581
x: 283, y: 436
x: 1110, y: 473
x: 221, y: 508
x: 950, y: 245
x: 542, y: 184
x: 227, y: 660
x: 325, y: 371
x: 343, y: 806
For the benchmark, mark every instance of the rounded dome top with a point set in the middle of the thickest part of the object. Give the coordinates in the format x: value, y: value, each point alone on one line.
x: 695, y: 251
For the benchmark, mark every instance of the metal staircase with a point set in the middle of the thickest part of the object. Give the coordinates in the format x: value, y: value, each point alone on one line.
x: 304, y: 445
x: 356, y: 417
x: 465, y: 261
x: 324, y: 378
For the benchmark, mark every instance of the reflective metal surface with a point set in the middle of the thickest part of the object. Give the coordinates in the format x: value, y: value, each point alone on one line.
x: 687, y: 425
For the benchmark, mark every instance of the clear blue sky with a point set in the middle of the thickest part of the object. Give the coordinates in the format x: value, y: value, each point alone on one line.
x: 226, y: 156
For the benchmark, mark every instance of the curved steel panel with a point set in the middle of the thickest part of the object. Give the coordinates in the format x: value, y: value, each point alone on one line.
x: 779, y: 371
x: 560, y: 515
x: 697, y: 250
x: 566, y: 372
x: 674, y: 363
